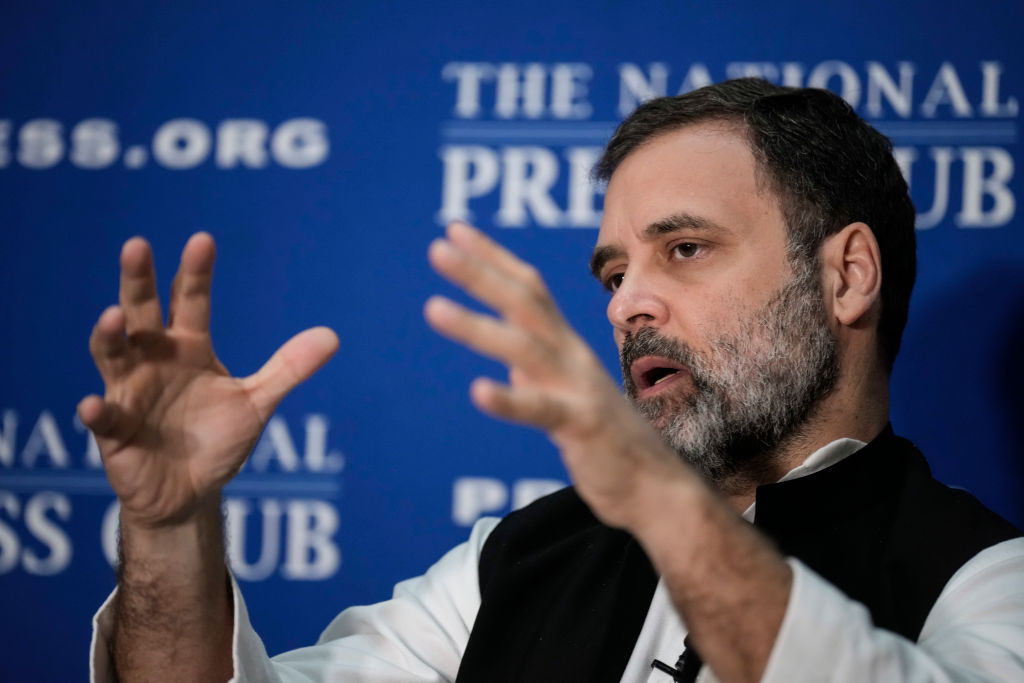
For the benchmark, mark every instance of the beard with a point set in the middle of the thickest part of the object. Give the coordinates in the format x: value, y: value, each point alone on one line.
x: 754, y: 389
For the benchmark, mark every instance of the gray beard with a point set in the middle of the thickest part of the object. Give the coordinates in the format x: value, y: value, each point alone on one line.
x: 752, y: 391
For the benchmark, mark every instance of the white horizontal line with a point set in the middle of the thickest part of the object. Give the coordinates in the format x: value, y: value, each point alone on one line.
x: 527, y: 130
x: 606, y: 125
x: 948, y: 131
x: 924, y: 141
x: 951, y: 132
x: 971, y: 123
x: 282, y: 485
x: 97, y: 484
x: 925, y: 138
x: 84, y: 483
x: 521, y: 124
x: 600, y: 132
x: 600, y: 136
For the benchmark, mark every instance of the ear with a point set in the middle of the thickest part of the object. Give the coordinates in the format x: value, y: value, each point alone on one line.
x: 852, y: 274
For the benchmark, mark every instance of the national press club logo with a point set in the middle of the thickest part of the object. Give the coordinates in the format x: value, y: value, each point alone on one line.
x: 282, y: 511
x: 523, y: 137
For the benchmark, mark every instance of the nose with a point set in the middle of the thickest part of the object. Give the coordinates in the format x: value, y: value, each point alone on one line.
x: 635, y: 304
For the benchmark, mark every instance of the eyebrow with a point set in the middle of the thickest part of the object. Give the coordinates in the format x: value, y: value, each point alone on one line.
x: 601, y: 256
x: 665, y: 226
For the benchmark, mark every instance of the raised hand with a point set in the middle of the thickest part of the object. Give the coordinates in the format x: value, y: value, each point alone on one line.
x: 174, y: 426
x: 556, y: 382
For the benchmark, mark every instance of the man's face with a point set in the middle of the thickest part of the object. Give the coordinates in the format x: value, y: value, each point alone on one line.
x: 724, y: 342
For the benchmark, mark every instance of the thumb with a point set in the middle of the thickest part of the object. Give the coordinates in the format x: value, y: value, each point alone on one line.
x: 293, y: 363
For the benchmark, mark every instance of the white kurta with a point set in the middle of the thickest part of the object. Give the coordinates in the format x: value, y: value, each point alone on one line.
x: 974, y: 632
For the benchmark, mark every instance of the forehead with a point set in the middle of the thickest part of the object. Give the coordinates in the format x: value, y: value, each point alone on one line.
x: 705, y: 170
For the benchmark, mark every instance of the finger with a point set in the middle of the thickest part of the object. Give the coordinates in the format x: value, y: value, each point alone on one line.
x: 99, y: 416
x: 476, y: 242
x: 523, y: 299
x: 487, y: 335
x: 190, y: 293
x: 107, y: 343
x: 518, y: 404
x: 138, y: 287
x: 293, y: 363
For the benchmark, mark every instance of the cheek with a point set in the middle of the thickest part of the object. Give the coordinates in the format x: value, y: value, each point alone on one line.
x: 718, y: 319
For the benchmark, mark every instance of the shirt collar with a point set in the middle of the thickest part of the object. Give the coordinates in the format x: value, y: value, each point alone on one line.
x: 826, y: 456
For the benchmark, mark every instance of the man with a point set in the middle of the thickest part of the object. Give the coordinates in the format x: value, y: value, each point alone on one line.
x: 758, y: 246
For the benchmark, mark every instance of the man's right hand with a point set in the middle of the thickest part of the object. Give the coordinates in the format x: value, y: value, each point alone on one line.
x: 174, y: 426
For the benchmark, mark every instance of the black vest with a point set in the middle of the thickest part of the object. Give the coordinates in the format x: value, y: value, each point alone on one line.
x: 563, y: 597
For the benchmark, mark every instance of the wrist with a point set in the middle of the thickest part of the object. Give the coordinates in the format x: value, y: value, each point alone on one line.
x: 173, y: 588
x: 670, y: 509
x: 664, y: 506
x: 189, y: 550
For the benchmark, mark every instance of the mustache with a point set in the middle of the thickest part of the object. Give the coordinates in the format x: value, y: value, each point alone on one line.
x: 649, y: 342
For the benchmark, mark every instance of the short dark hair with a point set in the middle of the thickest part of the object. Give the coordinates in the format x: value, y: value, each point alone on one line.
x: 827, y: 166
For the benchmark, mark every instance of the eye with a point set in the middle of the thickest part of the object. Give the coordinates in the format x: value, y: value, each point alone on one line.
x: 612, y: 282
x: 686, y: 250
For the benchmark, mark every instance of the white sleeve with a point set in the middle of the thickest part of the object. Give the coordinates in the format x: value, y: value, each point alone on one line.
x: 974, y: 632
x: 417, y: 635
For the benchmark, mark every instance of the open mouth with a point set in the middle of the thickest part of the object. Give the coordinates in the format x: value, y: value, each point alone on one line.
x: 651, y: 374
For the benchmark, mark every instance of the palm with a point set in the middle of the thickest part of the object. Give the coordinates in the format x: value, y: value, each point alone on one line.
x: 174, y: 426
x: 188, y: 426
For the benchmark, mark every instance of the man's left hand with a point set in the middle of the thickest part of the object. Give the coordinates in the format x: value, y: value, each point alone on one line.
x: 556, y: 382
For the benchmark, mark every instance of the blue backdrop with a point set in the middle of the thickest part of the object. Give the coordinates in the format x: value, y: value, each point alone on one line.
x: 323, y: 145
